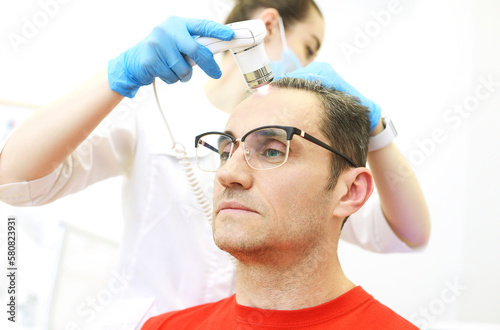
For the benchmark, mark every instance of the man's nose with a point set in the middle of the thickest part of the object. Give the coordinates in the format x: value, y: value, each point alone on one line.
x: 235, y: 170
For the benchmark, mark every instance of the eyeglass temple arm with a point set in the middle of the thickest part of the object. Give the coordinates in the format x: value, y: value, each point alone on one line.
x: 207, y: 145
x: 327, y: 147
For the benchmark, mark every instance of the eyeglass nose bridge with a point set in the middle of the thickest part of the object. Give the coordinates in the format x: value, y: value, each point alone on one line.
x: 246, y: 152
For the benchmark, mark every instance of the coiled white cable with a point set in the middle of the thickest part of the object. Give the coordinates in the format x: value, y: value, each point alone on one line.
x: 186, y: 167
x: 188, y: 171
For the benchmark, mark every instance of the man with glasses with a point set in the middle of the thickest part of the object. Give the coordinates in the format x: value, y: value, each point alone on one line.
x: 289, y: 171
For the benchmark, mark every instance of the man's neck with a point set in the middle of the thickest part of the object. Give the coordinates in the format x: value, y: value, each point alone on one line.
x: 311, y: 281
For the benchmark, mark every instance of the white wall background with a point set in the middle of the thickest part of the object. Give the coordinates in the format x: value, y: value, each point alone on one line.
x: 432, y: 65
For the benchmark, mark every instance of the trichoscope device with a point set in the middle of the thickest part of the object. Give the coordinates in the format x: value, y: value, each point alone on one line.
x: 247, y: 47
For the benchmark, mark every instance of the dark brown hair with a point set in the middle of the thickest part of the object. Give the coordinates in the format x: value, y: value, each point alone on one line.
x: 343, y: 121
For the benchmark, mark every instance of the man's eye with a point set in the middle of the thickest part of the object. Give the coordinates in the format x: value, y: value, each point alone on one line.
x: 224, y: 156
x: 272, y: 153
x: 224, y: 151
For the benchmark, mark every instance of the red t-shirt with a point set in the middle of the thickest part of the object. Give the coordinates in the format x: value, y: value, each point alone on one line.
x: 356, y: 309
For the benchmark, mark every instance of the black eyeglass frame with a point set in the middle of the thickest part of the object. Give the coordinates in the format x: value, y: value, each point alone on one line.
x: 290, y: 132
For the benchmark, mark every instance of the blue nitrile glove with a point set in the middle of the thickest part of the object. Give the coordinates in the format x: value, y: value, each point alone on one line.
x: 329, y: 78
x: 161, y: 55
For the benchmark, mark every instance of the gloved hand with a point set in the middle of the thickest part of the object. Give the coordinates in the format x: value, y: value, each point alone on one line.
x: 329, y: 78
x: 161, y: 55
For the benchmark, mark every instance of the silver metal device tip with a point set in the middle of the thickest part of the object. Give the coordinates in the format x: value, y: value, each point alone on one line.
x: 260, y: 77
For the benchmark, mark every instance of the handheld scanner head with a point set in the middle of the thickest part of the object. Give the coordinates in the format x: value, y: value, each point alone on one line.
x: 254, y: 65
x: 247, y: 47
x: 252, y: 59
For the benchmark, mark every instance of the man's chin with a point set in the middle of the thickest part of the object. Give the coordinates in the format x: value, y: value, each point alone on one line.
x: 241, y: 247
x: 238, y: 233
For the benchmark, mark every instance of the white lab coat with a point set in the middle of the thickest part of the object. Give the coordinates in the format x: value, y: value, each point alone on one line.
x: 167, y: 258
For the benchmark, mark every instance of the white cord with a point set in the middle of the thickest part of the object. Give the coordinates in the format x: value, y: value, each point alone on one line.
x: 188, y: 171
x: 186, y: 167
x: 163, y: 115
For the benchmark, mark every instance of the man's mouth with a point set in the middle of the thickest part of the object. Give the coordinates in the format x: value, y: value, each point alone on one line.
x: 233, y: 207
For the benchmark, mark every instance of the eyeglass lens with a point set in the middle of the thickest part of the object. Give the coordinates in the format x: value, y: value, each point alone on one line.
x: 263, y: 149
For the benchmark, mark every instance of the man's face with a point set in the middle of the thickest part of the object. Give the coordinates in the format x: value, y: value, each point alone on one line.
x: 282, y: 210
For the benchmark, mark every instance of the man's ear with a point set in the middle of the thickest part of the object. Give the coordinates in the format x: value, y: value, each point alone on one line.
x: 356, y: 186
x: 270, y: 17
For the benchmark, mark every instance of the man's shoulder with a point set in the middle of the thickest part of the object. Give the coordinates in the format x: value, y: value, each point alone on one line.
x: 376, y: 315
x: 190, y: 316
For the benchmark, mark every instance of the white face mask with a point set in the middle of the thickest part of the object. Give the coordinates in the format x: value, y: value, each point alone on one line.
x: 289, y: 61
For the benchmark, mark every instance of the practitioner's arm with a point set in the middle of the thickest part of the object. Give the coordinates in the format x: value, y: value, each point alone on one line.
x: 51, y: 133
x: 401, y: 197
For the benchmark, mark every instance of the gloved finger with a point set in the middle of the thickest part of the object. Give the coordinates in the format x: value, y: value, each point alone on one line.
x: 180, y: 67
x: 174, y: 56
x: 162, y: 71
x: 188, y: 77
x: 163, y: 57
x: 206, y: 28
x: 154, y: 61
x: 202, y: 56
x: 176, y: 36
x: 169, y: 80
x: 167, y: 76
